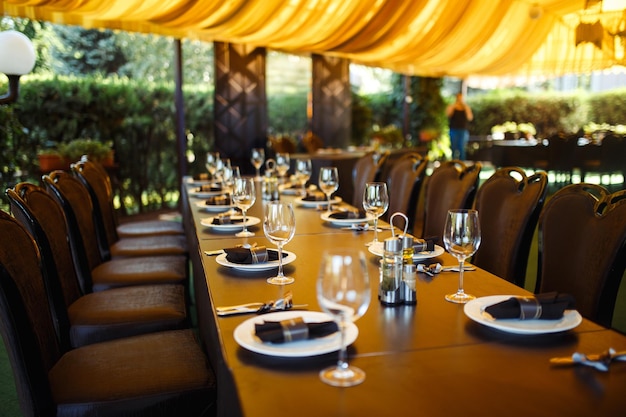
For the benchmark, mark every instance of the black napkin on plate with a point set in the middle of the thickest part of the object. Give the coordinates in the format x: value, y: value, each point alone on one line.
x: 209, y: 187
x: 294, y: 329
x: 225, y: 219
x: 219, y: 200
x: 314, y: 196
x: 545, y: 306
x: 424, y: 245
x: 254, y: 255
x: 348, y: 214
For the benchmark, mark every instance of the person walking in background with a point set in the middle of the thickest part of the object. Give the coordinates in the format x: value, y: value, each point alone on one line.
x: 459, y: 115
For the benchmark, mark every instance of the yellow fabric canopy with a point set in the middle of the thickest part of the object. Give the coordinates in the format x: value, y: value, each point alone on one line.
x: 420, y: 37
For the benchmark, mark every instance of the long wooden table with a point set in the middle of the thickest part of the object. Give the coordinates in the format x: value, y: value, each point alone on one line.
x: 427, y: 359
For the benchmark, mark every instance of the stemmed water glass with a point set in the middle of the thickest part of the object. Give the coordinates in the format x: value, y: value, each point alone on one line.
x: 303, y: 172
x: 229, y: 174
x: 343, y: 291
x: 461, y: 237
x: 328, y: 182
x: 244, y: 196
x: 279, y: 226
x: 375, y: 202
x: 257, y: 158
x: 282, y: 164
x: 211, y: 163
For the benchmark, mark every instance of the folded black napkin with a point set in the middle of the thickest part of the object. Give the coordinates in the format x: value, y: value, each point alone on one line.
x: 424, y: 245
x: 545, y: 306
x: 349, y: 214
x: 225, y: 219
x: 209, y: 187
x: 291, y: 330
x: 314, y: 196
x: 254, y: 255
x: 219, y: 200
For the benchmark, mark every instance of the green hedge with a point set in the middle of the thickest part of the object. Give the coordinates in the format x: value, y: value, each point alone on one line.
x: 137, y: 118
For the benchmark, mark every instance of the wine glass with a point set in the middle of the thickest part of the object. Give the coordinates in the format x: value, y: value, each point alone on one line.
x: 244, y: 196
x: 375, y: 202
x: 211, y: 163
x: 461, y: 236
x: 257, y: 158
x: 343, y: 291
x: 282, y: 163
x: 279, y: 226
x: 328, y: 182
x: 303, y: 172
x: 229, y: 174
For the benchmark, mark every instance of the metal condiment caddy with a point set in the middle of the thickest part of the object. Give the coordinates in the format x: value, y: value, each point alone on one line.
x: 397, y: 271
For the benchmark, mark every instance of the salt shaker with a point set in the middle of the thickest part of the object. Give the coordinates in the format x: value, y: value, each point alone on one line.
x: 391, y: 272
x: 408, y: 290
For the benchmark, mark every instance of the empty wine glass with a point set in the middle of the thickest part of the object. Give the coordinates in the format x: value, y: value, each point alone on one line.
x: 257, y: 158
x: 375, y: 202
x: 303, y: 172
x: 328, y: 182
x: 211, y: 163
x: 343, y: 291
x: 461, y: 236
x: 282, y: 164
x: 279, y: 226
x: 229, y: 174
x: 244, y: 196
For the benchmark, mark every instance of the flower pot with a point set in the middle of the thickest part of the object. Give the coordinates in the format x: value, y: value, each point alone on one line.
x: 51, y: 162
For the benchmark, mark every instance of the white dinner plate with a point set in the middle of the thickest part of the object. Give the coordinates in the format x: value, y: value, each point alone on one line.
x: 475, y: 310
x: 205, y: 194
x: 326, y: 216
x: 250, y: 221
x: 213, y: 208
x: 304, y: 203
x: 377, y: 249
x: 196, y: 183
x: 287, y: 190
x: 288, y: 257
x: 245, y: 337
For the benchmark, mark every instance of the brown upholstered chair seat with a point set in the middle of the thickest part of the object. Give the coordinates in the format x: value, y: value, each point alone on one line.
x: 150, y: 246
x: 146, y: 270
x: 149, y: 227
x: 128, y: 311
x: 132, y: 373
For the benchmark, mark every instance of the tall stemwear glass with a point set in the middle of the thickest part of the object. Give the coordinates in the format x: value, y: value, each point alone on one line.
x: 461, y: 237
x: 282, y: 164
x: 328, y: 182
x: 303, y: 172
x: 211, y: 163
x: 257, y: 157
x: 279, y: 226
x: 375, y: 202
x: 343, y: 291
x: 244, y: 196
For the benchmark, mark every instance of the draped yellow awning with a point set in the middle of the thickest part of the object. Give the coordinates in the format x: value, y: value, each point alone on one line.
x: 421, y: 37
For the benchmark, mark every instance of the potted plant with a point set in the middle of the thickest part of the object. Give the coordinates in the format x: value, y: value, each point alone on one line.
x: 65, y: 153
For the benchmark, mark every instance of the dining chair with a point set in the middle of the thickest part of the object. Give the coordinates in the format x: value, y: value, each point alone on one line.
x: 157, y: 374
x: 508, y: 205
x: 112, y: 244
x: 74, y: 199
x: 90, y: 317
x: 404, y: 183
x: 582, y: 247
x: 94, y: 176
x: 365, y: 170
x: 452, y: 185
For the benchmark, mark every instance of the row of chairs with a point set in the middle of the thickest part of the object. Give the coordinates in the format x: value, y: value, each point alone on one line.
x: 582, y: 227
x: 97, y: 322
